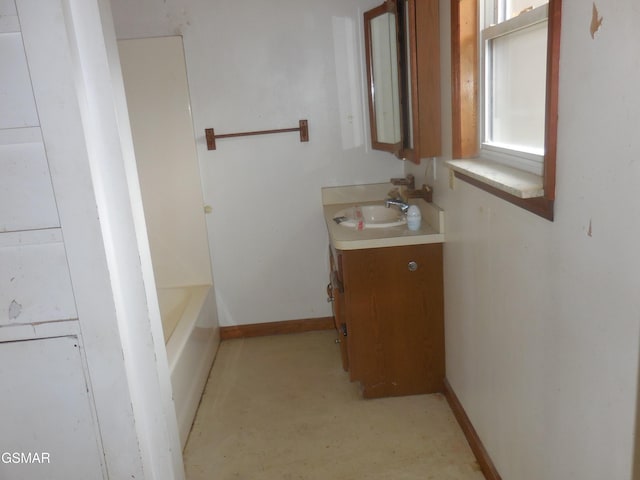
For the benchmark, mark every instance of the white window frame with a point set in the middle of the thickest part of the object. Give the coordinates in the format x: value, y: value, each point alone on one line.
x: 530, y: 161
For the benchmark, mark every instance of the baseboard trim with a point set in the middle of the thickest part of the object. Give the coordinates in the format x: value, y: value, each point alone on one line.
x: 276, y: 328
x: 486, y: 465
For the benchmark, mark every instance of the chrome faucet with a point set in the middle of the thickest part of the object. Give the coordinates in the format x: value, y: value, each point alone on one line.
x: 401, y: 204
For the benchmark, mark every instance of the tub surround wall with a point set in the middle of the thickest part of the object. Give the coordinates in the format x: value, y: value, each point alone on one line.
x: 542, y: 318
x: 160, y: 112
x: 298, y: 60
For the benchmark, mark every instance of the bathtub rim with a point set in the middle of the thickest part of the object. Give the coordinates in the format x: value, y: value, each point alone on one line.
x: 180, y: 335
x: 190, y: 358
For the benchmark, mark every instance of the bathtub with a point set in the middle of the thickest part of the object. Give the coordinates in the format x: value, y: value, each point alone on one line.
x: 192, y: 338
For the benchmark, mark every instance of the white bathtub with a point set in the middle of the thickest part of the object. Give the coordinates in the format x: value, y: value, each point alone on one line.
x: 192, y: 338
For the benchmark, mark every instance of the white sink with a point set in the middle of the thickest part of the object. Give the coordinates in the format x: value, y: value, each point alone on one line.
x: 370, y: 216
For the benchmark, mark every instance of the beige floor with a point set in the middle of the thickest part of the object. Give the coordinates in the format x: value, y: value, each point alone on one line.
x: 282, y: 408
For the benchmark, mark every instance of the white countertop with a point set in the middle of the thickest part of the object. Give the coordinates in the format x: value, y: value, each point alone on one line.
x: 335, y: 199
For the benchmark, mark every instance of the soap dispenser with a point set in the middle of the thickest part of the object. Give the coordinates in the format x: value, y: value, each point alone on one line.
x: 414, y: 218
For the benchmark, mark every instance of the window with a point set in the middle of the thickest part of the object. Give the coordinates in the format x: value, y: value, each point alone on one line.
x: 505, y: 81
x: 514, y: 54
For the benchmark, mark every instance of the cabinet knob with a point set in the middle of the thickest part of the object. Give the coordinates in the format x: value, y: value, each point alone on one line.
x: 412, y: 266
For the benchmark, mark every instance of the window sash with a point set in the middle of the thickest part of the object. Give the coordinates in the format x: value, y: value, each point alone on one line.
x: 524, y: 20
x: 529, y: 159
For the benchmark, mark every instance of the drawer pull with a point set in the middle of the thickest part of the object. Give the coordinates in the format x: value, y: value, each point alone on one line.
x: 412, y: 266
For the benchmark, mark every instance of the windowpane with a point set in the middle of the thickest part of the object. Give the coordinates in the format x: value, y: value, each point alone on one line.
x: 514, y: 7
x: 516, y: 89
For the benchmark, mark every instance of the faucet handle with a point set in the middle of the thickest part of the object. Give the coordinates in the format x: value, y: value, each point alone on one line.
x: 409, y: 181
x: 426, y: 193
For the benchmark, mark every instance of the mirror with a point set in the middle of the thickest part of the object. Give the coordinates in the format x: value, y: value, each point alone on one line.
x: 383, y: 77
x: 408, y: 79
x: 402, y: 121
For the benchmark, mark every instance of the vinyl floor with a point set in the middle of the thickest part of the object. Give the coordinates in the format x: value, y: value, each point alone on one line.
x: 281, y: 407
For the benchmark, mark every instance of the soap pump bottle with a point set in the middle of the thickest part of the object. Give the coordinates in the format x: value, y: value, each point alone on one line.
x: 414, y: 218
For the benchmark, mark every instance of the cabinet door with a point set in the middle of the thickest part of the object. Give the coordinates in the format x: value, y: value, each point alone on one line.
x: 395, y: 319
x: 48, y: 427
x: 426, y: 81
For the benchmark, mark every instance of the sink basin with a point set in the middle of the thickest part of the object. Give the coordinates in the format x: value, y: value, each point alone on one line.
x: 369, y: 216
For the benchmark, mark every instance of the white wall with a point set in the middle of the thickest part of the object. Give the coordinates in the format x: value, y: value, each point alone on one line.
x: 542, y: 318
x: 264, y: 65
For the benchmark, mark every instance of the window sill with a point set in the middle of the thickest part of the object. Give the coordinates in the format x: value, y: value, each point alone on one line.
x: 510, y: 180
x: 519, y: 187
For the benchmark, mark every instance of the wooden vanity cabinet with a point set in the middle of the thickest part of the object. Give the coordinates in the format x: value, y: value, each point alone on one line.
x: 392, y: 306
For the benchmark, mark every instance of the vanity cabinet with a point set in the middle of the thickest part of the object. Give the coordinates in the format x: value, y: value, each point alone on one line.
x: 388, y: 306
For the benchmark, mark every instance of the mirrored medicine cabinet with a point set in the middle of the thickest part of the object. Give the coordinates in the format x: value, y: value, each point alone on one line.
x: 402, y: 49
